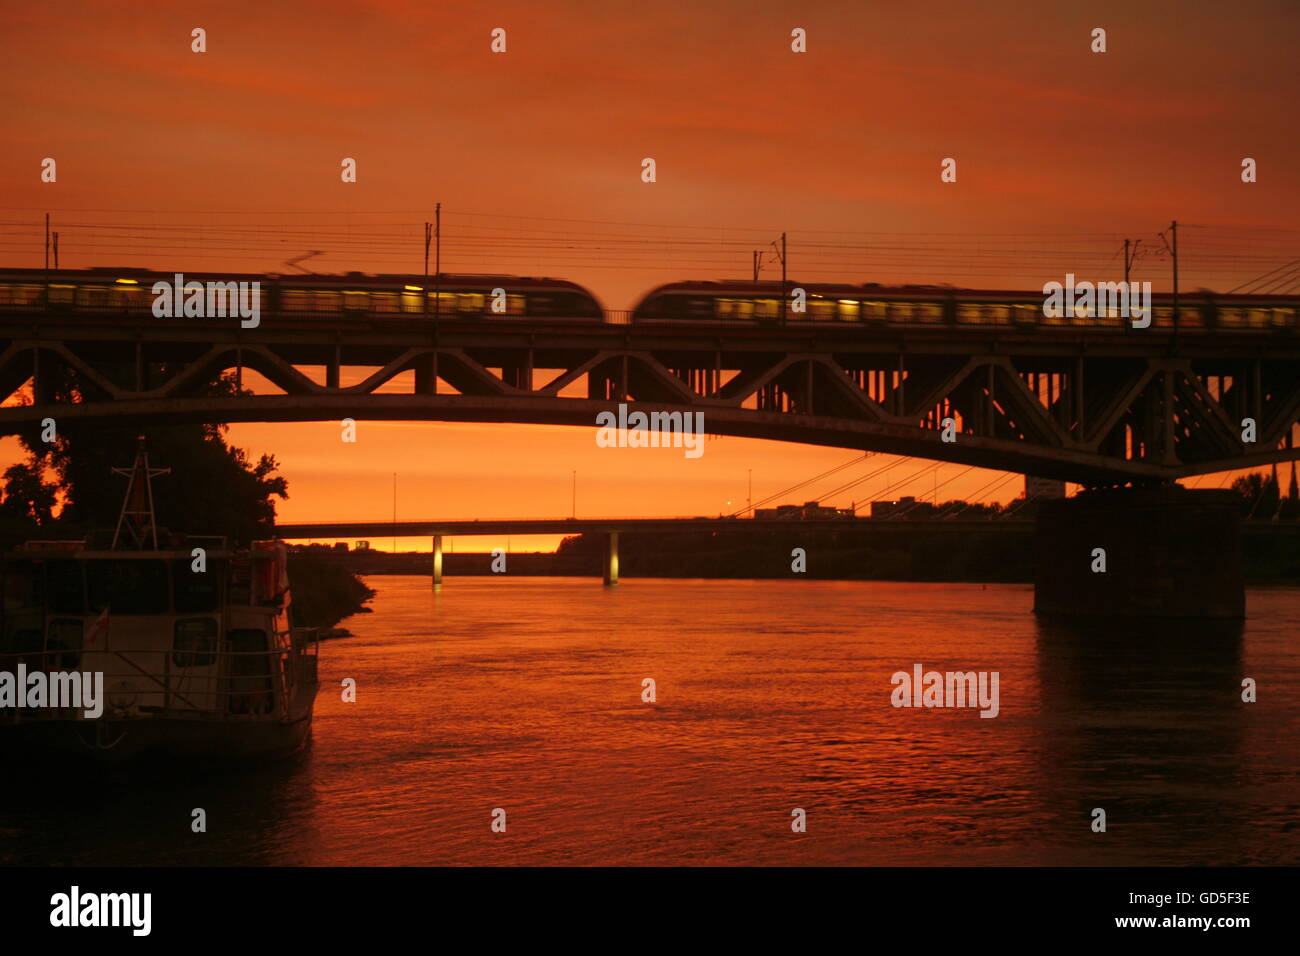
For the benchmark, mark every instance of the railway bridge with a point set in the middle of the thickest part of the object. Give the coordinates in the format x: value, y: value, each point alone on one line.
x: 1100, y: 407
x: 1103, y: 407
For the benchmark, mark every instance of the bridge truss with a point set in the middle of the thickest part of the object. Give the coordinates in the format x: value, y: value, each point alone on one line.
x: 1089, y: 406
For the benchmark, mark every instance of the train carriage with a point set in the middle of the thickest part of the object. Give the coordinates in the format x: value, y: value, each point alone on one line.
x: 384, y: 298
x: 760, y: 303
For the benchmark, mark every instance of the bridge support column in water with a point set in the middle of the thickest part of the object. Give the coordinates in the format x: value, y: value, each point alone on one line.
x: 611, y: 559
x: 1140, y: 552
x: 437, y: 560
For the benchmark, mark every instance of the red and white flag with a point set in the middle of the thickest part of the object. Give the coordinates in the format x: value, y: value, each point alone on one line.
x: 99, y: 627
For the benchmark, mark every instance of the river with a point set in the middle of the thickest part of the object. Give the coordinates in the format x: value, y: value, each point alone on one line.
x: 525, y: 694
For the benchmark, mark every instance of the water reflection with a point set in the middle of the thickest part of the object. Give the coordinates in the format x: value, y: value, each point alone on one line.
x: 1144, y: 720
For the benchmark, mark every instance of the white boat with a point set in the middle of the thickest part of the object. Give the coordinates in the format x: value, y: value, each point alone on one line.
x: 193, y: 641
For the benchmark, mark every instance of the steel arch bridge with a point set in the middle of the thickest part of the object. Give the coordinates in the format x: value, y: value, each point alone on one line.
x: 1094, y: 407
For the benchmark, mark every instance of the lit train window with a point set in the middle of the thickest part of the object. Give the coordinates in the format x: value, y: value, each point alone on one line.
x: 819, y: 310
x: 1258, y: 318
x: 1023, y: 314
x: 440, y: 302
x: 998, y: 313
x: 127, y: 297
x: 1280, y: 318
x: 848, y: 310
x: 970, y: 312
x: 323, y: 301
x: 62, y: 294
x: 767, y: 308
x: 742, y: 309
x: 929, y: 312
x: 694, y: 307
x: 875, y: 311
x: 93, y: 296
x: 1164, y: 315
x: 356, y: 301
x: 515, y: 305
x: 383, y: 302
x: 901, y: 311
x: 412, y: 301
x: 295, y: 300
x: 470, y: 301
x: 19, y: 295
x: 1232, y: 318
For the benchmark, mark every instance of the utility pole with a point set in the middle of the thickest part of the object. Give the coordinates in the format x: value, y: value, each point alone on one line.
x: 1129, y: 260
x: 428, y: 233
x: 749, y: 501
x: 437, y: 261
x: 783, y: 275
x: 56, y: 249
x: 1173, y: 229
x: 756, y: 265
x: 47, y: 242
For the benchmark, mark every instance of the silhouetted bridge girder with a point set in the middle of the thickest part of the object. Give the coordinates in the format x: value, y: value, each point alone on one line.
x: 573, y: 526
x: 298, y: 531
x: 1094, y: 407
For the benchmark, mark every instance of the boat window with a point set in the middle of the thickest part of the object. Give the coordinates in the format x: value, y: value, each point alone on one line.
x: 63, y: 648
x: 195, y: 590
x: 250, y: 672
x: 64, y: 587
x: 22, y: 640
x: 127, y: 587
x: 195, y: 642
x: 21, y: 587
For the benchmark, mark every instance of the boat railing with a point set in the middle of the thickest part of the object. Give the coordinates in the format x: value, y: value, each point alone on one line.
x: 231, y: 684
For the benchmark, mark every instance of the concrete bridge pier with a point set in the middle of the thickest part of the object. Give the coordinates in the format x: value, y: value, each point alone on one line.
x: 1140, y: 552
x: 437, y: 561
x: 611, y: 559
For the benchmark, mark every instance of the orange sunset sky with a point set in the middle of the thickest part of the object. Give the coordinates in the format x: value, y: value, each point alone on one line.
x: 229, y: 160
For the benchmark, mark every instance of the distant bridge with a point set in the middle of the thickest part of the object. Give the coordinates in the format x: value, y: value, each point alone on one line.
x: 1095, y: 408
x: 613, y: 527
x: 412, y: 529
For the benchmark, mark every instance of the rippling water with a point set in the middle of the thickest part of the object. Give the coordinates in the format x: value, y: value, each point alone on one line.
x: 525, y: 694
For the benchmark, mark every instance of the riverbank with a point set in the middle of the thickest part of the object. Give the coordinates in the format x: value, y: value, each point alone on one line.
x: 324, y: 591
x: 914, y: 555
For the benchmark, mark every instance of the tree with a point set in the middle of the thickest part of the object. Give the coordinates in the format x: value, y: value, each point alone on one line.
x: 27, y: 495
x: 213, y: 488
x: 1259, y: 494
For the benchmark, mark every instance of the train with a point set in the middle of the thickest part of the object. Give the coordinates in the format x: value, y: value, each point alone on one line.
x: 401, y: 298
x: 392, y: 297
x: 872, y: 304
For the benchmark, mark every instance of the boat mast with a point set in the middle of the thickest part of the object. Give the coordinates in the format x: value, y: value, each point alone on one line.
x: 137, y: 515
